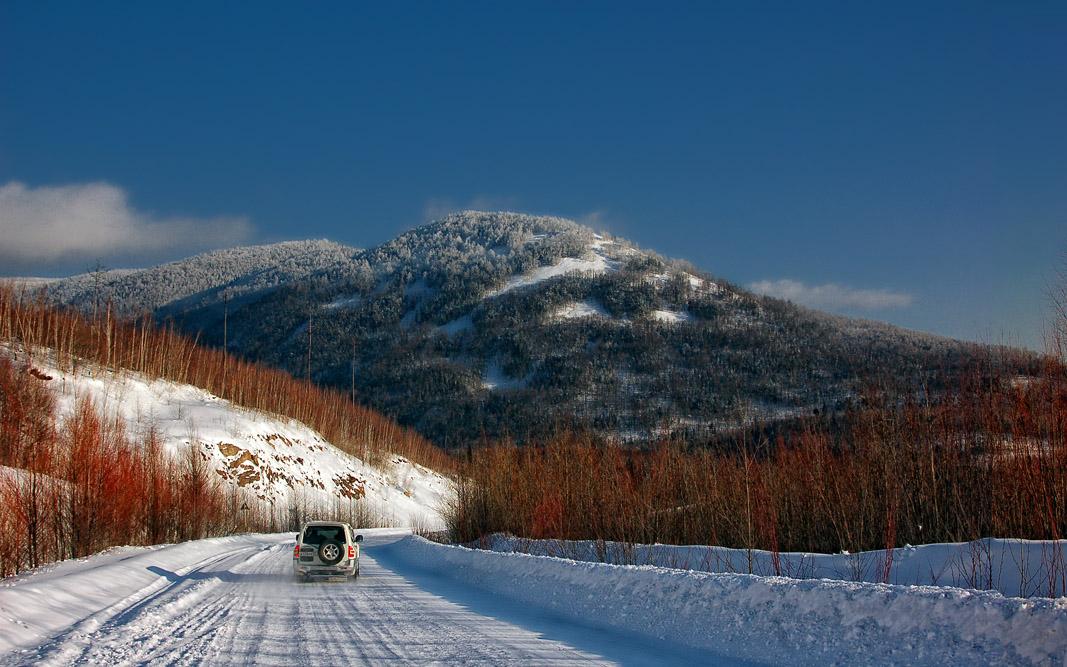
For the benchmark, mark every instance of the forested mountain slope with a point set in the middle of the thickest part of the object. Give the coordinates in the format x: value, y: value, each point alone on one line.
x: 507, y: 325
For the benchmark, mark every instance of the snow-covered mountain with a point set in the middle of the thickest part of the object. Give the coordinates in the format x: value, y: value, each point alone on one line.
x: 507, y: 325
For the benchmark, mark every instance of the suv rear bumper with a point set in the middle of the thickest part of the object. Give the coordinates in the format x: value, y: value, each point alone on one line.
x: 348, y: 568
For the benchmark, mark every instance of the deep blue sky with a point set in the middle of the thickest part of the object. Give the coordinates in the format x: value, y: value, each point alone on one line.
x: 905, y: 161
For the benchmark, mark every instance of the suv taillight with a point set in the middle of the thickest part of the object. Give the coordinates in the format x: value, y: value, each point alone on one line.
x: 296, y: 552
x: 351, y: 551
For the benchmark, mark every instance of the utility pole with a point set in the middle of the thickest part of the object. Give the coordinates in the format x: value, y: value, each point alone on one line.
x: 225, y: 314
x: 310, y: 318
x: 97, y: 270
x: 352, y: 398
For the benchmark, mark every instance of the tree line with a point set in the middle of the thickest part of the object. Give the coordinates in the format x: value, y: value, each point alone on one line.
x: 986, y: 459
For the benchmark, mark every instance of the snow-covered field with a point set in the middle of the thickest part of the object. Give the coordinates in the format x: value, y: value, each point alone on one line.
x: 278, y: 461
x: 233, y: 600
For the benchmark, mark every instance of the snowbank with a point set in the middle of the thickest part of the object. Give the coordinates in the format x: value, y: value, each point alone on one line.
x: 1015, y: 568
x: 767, y: 619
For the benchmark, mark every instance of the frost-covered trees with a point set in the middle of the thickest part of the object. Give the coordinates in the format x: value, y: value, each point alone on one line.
x: 631, y: 344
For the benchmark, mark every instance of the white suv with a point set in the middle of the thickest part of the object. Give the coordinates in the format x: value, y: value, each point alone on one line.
x: 326, y: 548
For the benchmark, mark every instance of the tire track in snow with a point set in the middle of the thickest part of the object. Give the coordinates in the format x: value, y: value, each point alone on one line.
x: 125, y: 620
x: 244, y: 607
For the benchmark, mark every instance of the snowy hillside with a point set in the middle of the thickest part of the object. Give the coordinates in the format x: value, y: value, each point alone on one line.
x: 275, y: 461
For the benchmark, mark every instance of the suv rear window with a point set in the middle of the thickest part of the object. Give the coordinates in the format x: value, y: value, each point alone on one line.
x: 319, y: 534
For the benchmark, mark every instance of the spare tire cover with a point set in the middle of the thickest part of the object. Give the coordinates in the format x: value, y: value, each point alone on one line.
x: 331, y: 552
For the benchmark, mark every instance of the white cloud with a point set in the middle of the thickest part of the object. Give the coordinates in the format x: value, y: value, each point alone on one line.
x: 47, y: 226
x: 831, y: 296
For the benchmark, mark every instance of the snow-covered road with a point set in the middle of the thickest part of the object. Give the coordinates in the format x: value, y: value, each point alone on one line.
x: 233, y: 600
x: 236, y: 602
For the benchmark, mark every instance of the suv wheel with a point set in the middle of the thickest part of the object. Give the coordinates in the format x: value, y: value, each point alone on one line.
x: 331, y: 552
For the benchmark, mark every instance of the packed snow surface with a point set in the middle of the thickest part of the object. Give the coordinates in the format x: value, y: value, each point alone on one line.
x: 233, y: 600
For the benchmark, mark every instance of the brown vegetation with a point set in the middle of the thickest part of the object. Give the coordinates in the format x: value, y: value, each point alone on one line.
x: 74, y: 488
x: 986, y: 459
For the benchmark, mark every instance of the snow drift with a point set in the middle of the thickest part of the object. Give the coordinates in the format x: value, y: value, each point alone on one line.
x: 767, y: 619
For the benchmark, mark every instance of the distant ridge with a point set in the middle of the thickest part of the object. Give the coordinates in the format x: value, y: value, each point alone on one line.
x: 201, y: 280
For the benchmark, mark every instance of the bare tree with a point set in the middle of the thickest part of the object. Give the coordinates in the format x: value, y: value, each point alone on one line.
x: 1056, y: 322
x: 97, y: 270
